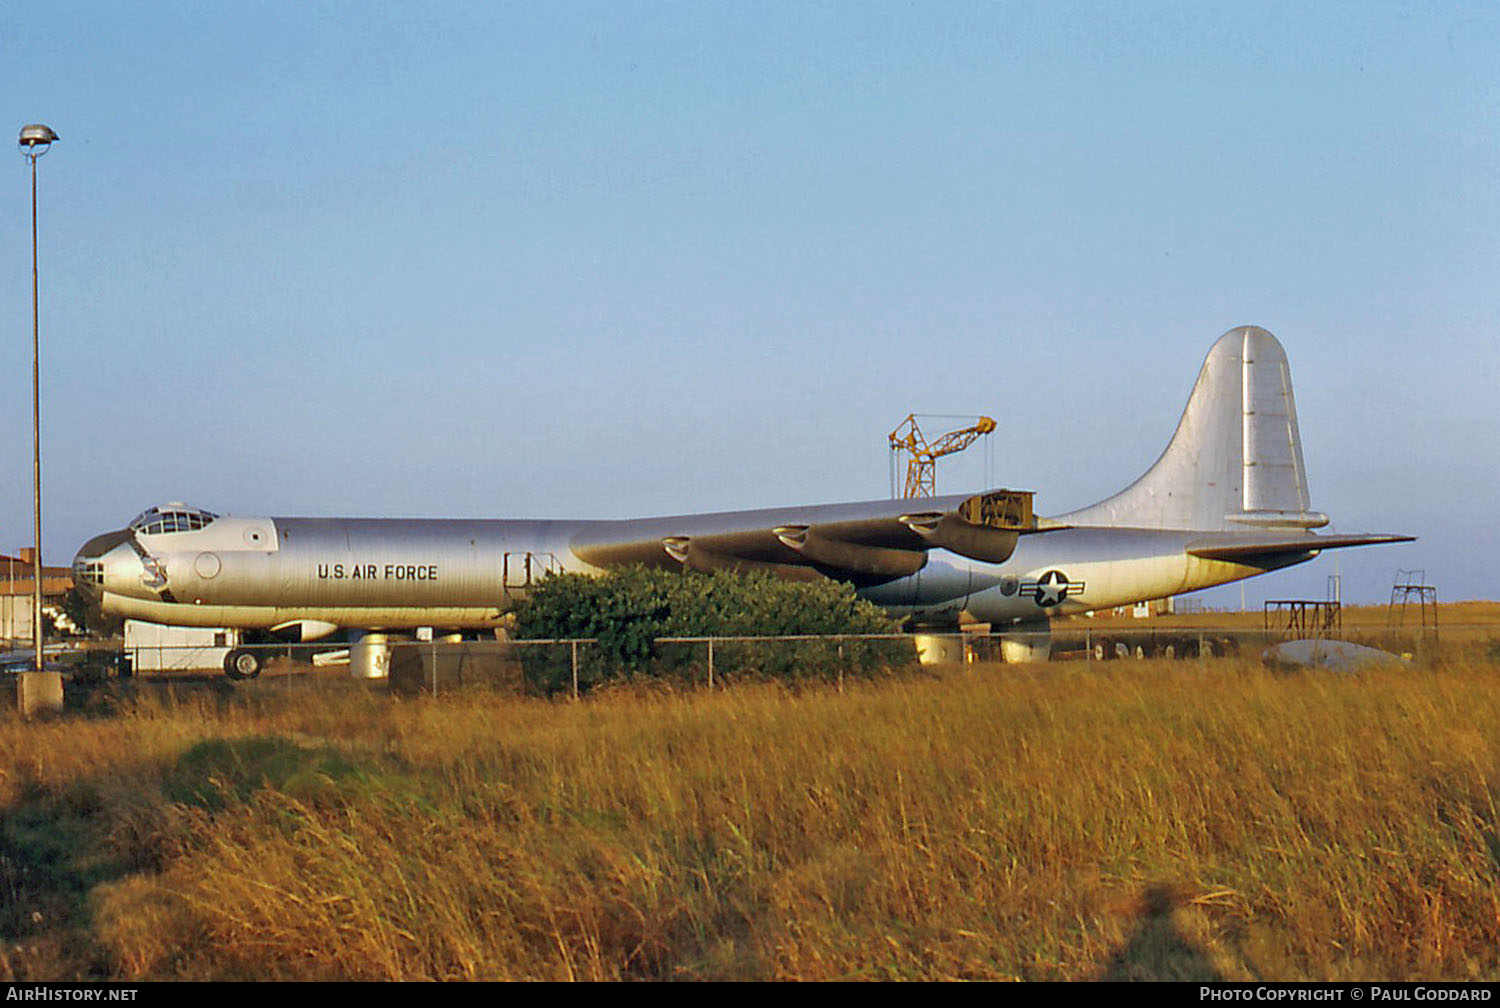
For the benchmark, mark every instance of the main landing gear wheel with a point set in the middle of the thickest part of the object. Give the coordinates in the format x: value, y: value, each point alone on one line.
x: 241, y: 664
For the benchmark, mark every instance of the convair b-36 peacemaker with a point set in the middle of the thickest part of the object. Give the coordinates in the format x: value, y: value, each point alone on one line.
x: 1228, y: 499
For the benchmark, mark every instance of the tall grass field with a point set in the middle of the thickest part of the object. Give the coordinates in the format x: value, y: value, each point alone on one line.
x: 1151, y: 820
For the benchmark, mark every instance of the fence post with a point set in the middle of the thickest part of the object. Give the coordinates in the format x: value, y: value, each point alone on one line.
x: 841, y: 666
x: 710, y: 663
x: 575, y: 669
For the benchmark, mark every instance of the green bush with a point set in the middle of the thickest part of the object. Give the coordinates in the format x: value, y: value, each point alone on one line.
x: 626, y: 611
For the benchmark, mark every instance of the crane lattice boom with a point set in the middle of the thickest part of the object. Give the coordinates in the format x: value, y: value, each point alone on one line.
x: 921, y: 469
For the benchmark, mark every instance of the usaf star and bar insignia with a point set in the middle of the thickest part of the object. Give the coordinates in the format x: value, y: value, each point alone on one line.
x: 1051, y: 588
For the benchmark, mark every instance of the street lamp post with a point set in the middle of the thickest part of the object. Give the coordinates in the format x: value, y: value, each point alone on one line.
x: 39, y: 689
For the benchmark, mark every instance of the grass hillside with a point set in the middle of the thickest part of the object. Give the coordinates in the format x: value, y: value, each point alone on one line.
x: 1173, y: 820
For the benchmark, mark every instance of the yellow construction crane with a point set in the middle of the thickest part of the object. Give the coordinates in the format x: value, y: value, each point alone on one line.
x: 921, y: 469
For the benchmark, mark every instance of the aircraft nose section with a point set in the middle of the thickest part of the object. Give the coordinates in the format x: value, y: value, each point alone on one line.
x: 106, y: 562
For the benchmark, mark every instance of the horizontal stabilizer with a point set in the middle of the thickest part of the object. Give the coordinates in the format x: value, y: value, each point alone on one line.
x: 1245, y: 548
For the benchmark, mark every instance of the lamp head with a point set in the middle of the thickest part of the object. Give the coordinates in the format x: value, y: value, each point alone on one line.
x: 35, y: 139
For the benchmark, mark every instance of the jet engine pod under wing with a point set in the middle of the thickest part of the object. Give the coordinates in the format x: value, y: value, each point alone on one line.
x: 825, y: 547
x: 984, y: 527
x: 864, y: 543
x: 737, y: 553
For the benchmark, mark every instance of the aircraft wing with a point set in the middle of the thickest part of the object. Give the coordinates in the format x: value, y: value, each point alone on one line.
x: 865, y: 543
x: 1240, y: 547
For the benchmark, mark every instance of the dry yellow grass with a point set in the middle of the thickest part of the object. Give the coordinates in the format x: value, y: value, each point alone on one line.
x: 1137, y: 820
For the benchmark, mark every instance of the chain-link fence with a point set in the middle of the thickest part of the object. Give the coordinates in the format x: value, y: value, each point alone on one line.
x: 575, y: 667
x: 578, y: 666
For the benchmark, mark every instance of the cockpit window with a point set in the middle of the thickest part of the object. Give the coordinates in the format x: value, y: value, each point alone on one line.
x: 172, y: 517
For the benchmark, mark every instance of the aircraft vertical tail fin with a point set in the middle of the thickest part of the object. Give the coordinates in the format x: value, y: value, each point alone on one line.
x: 1236, y: 458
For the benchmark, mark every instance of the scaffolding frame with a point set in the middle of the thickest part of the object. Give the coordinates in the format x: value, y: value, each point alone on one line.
x: 1409, y: 585
x: 1299, y: 618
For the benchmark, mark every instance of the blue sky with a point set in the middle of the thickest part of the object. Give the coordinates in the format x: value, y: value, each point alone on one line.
x: 616, y: 259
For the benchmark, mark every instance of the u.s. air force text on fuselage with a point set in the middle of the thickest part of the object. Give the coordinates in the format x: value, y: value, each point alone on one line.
x: 371, y: 572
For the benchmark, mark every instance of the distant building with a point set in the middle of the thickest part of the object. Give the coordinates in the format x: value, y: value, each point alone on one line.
x: 1154, y: 607
x: 1142, y: 610
x: 16, y: 591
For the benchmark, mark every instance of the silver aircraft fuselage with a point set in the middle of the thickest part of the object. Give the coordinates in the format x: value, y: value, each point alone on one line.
x: 1227, y: 499
x: 395, y: 574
